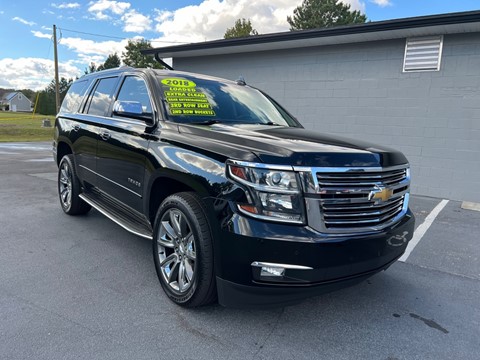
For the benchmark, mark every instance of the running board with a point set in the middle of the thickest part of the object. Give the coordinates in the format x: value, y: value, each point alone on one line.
x: 118, y: 215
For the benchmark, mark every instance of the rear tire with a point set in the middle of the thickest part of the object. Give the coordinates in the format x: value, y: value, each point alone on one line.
x: 183, y: 250
x: 69, y: 188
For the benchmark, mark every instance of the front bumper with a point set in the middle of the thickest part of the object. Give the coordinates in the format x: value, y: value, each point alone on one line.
x: 321, y: 262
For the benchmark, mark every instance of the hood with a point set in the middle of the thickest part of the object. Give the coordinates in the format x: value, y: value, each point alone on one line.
x: 295, y: 146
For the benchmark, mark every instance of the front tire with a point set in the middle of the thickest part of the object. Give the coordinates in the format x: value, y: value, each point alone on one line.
x: 69, y: 188
x: 183, y: 250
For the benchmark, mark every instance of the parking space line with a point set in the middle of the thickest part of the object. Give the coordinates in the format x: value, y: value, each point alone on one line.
x: 46, y: 176
x: 422, y: 229
x: 46, y: 159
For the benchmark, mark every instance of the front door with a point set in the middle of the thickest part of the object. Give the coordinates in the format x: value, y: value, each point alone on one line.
x: 122, y: 146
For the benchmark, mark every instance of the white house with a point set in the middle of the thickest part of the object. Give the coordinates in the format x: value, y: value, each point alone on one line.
x: 16, y: 101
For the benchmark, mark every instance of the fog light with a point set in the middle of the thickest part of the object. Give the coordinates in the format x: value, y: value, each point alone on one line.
x: 272, y: 271
x: 277, y: 272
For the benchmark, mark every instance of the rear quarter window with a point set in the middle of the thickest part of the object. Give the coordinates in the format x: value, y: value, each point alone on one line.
x: 74, y: 96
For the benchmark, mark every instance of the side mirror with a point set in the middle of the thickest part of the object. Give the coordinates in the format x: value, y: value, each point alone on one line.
x: 131, y: 109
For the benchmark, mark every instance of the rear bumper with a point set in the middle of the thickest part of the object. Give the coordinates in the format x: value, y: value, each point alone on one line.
x: 321, y: 263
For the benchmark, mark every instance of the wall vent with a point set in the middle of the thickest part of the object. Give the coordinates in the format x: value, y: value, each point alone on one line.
x: 423, y: 54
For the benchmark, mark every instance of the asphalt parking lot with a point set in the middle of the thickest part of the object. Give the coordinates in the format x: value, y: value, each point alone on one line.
x: 83, y: 288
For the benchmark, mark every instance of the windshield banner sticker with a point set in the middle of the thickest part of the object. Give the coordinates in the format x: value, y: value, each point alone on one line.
x: 183, y: 98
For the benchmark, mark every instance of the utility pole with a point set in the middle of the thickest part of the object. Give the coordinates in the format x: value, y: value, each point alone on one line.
x: 55, y: 56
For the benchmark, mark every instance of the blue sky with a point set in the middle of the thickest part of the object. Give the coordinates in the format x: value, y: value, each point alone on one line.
x: 26, y: 51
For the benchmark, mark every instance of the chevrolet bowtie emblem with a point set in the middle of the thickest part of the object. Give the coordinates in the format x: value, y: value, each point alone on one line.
x: 380, y: 193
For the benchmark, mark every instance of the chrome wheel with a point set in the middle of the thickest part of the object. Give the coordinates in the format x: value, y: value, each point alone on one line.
x: 65, y: 185
x: 69, y: 188
x: 176, y: 250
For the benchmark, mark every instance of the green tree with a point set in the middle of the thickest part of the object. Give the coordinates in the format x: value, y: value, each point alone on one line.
x: 313, y: 14
x: 46, y: 103
x: 63, y: 86
x: 242, y: 28
x: 134, y: 58
x: 90, y: 69
x: 113, y: 61
x: 46, y: 98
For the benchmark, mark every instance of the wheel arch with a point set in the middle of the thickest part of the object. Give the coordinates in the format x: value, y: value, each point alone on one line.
x: 63, y: 148
x: 164, y: 185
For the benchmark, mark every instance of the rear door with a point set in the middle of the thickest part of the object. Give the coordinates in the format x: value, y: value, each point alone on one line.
x: 87, y: 126
x: 123, y: 143
x: 82, y: 131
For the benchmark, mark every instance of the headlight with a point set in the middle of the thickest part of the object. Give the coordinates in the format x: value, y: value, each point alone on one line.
x: 273, y: 191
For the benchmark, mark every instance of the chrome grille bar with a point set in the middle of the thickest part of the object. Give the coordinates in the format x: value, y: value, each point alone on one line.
x: 361, y: 219
x: 373, y: 211
x: 357, y: 206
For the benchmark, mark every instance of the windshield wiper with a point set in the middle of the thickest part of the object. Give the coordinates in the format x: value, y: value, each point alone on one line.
x: 216, y: 121
x: 206, y: 122
x: 271, y: 123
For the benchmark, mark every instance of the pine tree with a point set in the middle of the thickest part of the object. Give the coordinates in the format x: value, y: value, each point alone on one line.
x: 113, y: 61
x: 242, y: 28
x: 134, y: 58
x: 46, y: 98
x: 313, y: 14
x: 91, y: 68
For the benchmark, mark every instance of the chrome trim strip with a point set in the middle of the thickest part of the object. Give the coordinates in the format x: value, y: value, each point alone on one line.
x: 348, y: 169
x: 359, y: 190
x: 113, y: 182
x: 338, y: 206
x: 86, y: 168
x: 265, y: 217
x: 379, y: 213
x: 117, y: 119
x: 285, y: 266
x: 260, y: 165
x: 116, y: 221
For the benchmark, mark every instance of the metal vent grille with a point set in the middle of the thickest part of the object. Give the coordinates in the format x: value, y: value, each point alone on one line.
x: 358, y: 200
x: 423, y: 54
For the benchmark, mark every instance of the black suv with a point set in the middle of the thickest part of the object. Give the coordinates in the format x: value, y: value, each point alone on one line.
x: 240, y: 200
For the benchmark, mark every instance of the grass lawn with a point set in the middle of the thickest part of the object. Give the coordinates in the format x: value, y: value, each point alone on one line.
x: 21, y: 127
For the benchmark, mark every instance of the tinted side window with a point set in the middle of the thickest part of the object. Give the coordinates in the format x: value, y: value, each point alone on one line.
x: 74, y: 96
x: 135, y: 89
x: 102, y: 97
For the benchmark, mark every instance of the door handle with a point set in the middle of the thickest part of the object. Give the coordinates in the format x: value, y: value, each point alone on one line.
x: 76, y: 127
x: 105, y: 135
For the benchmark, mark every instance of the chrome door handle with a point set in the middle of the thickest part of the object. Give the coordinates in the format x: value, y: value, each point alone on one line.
x: 105, y: 135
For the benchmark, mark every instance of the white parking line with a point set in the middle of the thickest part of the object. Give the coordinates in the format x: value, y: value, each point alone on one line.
x: 46, y: 176
x: 7, y: 153
x: 47, y: 159
x: 422, y: 229
x: 25, y: 146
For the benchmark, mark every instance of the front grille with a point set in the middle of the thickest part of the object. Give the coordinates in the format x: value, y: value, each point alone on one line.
x: 359, y: 199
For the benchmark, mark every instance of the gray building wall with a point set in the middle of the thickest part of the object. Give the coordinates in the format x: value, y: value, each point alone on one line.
x: 21, y: 102
x: 359, y: 91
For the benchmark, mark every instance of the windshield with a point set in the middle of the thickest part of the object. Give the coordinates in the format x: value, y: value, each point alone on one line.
x: 189, y: 99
